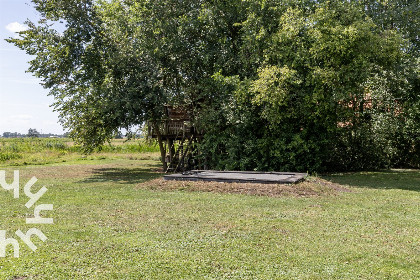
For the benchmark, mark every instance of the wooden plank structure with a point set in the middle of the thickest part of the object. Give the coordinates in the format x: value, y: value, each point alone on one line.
x: 176, y: 125
x: 179, y: 135
x: 238, y: 177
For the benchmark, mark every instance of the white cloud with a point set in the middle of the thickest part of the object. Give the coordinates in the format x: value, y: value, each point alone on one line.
x: 33, y: 81
x: 49, y: 123
x: 20, y: 118
x: 16, y: 122
x: 8, y: 50
x: 16, y: 27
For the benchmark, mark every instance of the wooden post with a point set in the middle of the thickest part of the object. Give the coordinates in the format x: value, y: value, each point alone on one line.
x: 171, y: 150
x: 161, y: 147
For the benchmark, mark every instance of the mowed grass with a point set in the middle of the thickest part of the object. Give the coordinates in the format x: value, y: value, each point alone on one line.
x: 109, y: 223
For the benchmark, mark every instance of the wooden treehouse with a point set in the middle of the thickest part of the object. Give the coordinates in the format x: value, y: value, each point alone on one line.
x: 177, y: 138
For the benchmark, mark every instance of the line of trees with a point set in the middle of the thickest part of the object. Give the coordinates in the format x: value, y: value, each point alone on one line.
x: 33, y: 133
x: 274, y: 85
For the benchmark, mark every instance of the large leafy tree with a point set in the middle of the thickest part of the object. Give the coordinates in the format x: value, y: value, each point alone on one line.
x: 106, y: 68
x: 112, y: 64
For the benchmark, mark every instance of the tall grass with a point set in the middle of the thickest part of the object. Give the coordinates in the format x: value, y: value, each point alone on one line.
x: 42, y: 150
x: 140, y: 146
x: 20, y: 145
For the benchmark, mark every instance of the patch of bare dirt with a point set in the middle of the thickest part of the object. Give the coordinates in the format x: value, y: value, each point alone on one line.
x: 62, y: 171
x: 119, y: 172
x: 312, y: 186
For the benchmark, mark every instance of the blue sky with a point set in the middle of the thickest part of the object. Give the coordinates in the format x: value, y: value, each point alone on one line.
x: 24, y: 102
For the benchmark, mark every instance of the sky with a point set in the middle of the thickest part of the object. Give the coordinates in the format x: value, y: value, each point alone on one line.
x: 24, y: 103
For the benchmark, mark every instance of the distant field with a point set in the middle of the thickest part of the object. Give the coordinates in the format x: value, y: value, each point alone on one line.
x: 115, y: 218
x: 30, y: 151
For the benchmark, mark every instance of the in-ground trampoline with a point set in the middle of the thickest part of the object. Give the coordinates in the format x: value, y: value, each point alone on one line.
x: 238, y: 176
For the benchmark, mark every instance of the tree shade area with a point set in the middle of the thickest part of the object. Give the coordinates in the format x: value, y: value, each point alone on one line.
x: 271, y: 85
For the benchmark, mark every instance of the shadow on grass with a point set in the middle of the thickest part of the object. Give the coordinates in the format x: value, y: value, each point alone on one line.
x: 389, y: 179
x: 122, y: 175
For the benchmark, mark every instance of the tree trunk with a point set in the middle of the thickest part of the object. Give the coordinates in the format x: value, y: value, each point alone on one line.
x: 161, y: 147
x: 171, y: 151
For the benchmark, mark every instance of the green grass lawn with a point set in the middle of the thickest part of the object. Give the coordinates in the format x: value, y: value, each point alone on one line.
x: 106, y: 226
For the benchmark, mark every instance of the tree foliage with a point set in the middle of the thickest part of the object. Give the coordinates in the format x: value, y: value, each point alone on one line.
x: 274, y: 85
x: 32, y: 132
